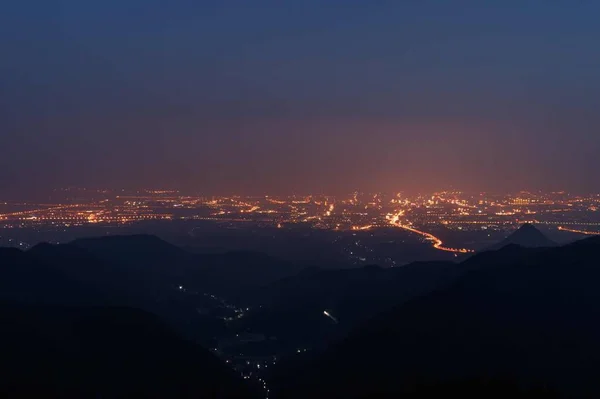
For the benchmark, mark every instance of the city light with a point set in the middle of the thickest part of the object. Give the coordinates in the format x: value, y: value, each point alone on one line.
x: 426, y: 215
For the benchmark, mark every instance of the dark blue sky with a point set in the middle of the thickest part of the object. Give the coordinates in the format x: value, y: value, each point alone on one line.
x: 300, y: 96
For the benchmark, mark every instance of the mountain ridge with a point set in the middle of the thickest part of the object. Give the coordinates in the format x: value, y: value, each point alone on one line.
x: 525, y: 321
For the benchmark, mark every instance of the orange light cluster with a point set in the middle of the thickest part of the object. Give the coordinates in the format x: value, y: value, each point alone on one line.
x: 366, y: 227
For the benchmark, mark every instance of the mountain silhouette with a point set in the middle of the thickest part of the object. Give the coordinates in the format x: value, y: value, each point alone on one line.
x: 527, y: 236
x: 69, y: 329
x: 139, y: 271
x: 294, y: 306
x: 123, y: 247
x: 520, y: 321
x: 528, y: 324
x: 152, y: 258
x: 51, y: 351
x: 25, y: 277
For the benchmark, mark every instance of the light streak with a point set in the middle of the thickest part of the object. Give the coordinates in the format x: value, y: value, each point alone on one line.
x: 587, y: 233
x: 326, y: 313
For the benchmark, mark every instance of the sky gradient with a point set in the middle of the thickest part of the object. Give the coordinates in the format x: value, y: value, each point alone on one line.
x: 280, y: 97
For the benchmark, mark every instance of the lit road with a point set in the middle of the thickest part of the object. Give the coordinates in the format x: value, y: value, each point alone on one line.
x: 28, y: 212
x: 326, y: 313
x: 587, y: 233
x: 437, y: 243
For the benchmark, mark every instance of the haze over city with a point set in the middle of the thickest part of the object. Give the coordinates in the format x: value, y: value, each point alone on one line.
x: 305, y: 97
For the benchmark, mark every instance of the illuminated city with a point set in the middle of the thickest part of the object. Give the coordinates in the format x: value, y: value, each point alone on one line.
x: 421, y: 215
x: 299, y: 199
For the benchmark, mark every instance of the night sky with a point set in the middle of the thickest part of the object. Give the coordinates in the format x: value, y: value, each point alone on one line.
x: 290, y: 96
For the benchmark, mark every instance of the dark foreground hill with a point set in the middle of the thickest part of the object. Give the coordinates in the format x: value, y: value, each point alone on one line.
x: 521, y: 321
x: 294, y: 307
x: 67, y: 331
x: 52, y: 351
x: 517, y: 321
x: 139, y: 271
